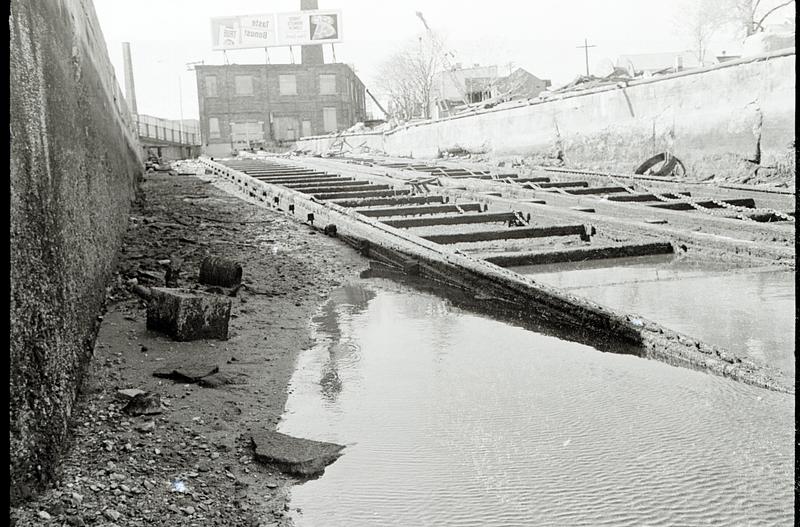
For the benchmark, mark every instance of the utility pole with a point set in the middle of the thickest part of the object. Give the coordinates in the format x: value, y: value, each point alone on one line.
x: 586, y: 47
x: 189, y: 67
x: 180, y: 104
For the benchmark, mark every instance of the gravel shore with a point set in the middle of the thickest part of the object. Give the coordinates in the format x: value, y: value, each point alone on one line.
x: 193, y: 464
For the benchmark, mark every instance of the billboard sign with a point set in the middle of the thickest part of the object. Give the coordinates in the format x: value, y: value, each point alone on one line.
x: 297, y: 28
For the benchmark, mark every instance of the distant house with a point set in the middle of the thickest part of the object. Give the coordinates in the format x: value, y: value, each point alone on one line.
x: 461, y: 86
x: 521, y: 83
x: 651, y: 63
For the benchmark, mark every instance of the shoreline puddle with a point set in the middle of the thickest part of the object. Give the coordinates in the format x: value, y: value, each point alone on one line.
x: 458, y: 419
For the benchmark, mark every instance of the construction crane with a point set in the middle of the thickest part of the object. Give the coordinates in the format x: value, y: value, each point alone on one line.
x: 387, y: 114
x: 447, y: 65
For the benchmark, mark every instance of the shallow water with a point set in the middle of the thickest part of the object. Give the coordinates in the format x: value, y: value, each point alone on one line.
x: 747, y: 311
x: 456, y: 419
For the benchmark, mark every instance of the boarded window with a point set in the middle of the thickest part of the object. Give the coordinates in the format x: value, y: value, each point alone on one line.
x: 245, y: 134
x: 306, y: 128
x: 286, y: 128
x: 329, y: 119
x: 327, y: 84
x: 287, y: 84
x: 213, y: 128
x: 244, y: 85
x: 211, y: 86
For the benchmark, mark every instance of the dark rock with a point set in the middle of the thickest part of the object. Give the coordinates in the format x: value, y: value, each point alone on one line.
x: 295, y: 455
x: 222, y: 378
x: 144, y: 404
x: 189, y: 373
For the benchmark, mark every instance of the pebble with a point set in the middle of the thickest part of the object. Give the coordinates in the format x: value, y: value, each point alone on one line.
x: 111, y: 514
x: 214, y: 455
x: 147, y: 426
x: 44, y: 515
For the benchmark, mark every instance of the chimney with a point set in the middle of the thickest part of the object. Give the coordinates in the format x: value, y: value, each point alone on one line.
x: 310, y: 54
x: 130, y: 90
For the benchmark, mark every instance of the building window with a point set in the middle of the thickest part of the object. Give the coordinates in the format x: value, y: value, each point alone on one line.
x: 211, y: 86
x: 287, y: 84
x: 329, y: 119
x: 213, y: 128
x: 246, y: 135
x: 244, y: 85
x: 327, y: 84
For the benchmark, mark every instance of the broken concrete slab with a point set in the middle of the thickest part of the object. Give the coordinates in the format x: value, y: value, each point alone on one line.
x: 130, y: 393
x: 188, y: 315
x: 295, y: 455
x: 215, y: 380
x: 147, y: 403
x: 189, y: 373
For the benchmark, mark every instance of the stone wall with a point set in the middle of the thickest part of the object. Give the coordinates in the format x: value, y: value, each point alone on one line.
x: 75, y: 163
x: 725, y: 119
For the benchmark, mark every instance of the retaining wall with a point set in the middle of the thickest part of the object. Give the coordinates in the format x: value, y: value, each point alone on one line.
x: 75, y: 162
x: 725, y: 119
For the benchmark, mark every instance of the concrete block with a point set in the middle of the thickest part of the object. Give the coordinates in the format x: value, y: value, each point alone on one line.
x: 295, y: 455
x: 188, y: 315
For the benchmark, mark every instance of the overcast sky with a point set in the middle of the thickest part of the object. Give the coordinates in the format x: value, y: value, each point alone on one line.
x: 538, y: 35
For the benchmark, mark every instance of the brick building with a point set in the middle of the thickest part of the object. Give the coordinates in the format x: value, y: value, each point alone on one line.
x: 268, y: 105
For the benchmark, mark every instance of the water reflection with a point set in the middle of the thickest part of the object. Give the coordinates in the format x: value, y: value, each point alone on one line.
x: 457, y: 419
x: 333, y: 315
x: 746, y: 311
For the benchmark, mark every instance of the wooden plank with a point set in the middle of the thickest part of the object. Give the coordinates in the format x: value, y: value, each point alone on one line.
x: 484, y: 217
x: 508, y: 234
x: 578, y: 254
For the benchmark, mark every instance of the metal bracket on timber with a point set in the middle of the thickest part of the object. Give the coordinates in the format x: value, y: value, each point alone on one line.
x: 571, y: 317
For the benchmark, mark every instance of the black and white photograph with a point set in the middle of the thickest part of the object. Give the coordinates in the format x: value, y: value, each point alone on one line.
x: 355, y: 263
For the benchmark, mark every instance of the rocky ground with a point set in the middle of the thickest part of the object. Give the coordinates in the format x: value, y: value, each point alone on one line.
x: 193, y: 463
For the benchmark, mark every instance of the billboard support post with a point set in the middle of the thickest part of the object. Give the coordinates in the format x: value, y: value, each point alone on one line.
x: 333, y: 52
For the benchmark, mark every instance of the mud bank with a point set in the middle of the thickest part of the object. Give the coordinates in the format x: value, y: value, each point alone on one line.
x: 193, y: 463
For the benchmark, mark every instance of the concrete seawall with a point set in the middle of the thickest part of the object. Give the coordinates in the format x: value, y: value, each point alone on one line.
x: 75, y: 164
x: 725, y: 119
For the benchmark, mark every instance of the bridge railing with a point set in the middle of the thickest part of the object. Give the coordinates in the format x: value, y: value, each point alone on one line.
x: 164, y: 130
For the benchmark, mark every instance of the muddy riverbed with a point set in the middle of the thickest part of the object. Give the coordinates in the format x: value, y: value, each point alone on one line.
x: 193, y: 464
x: 448, y: 417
